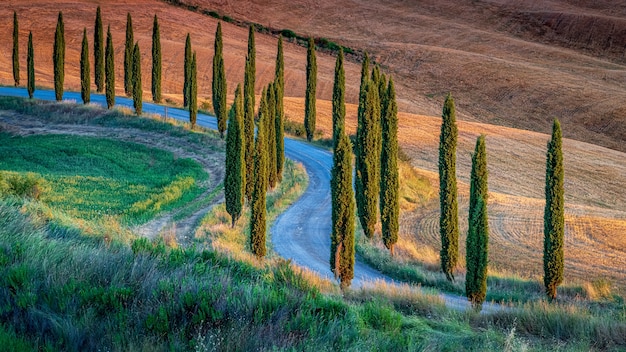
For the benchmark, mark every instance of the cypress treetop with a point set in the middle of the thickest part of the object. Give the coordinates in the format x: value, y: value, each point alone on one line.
x: 219, y: 82
x: 30, y: 62
x: 187, y: 72
x: 311, y: 84
x: 85, y: 80
x: 279, y: 84
x: 98, y: 52
x: 137, y: 86
x: 193, y: 92
x: 110, y: 70
x: 157, y: 57
x: 128, y: 56
x: 339, y: 99
x: 234, y: 178
x: 58, y: 55
x: 16, y: 50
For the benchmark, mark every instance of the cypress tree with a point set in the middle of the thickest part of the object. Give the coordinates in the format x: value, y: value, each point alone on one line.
x: 16, y: 50
x: 235, y: 177
x: 30, y: 63
x: 339, y: 99
x: 85, y: 79
x: 554, y: 220
x: 364, y: 78
x: 368, y: 160
x: 187, y: 72
x: 156, y: 61
x: 448, y: 220
x: 110, y: 70
x: 478, y: 234
x: 263, y: 112
x: 311, y: 83
x: 98, y: 52
x: 271, y: 135
x: 258, y: 209
x: 219, y: 82
x: 128, y: 56
x: 137, y: 87
x: 193, y: 92
x: 279, y: 84
x: 248, y: 117
x: 58, y: 55
x: 389, y: 182
x: 342, y: 236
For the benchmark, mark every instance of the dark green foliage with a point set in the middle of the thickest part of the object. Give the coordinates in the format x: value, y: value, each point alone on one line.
x: 58, y: 58
x: 270, y: 128
x: 30, y: 63
x: 248, y: 117
x: 364, y: 78
x: 137, y: 87
x: 339, y: 99
x: 235, y: 177
x: 187, y: 72
x: 156, y: 61
x: 279, y: 84
x: 16, y: 50
x: 389, y: 182
x: 128, y: 56
x: 98, y: 52
x: 311, y: 87
x: 553, y: 218
x: 448, y: 220
x: 258, y: 209
x: 477, y: 243
x: 368, y: 137
x: 342, y: 237
x: 219, y: 82
x: 110, y: 70
x: 85, y: 79
x: 193, y: 92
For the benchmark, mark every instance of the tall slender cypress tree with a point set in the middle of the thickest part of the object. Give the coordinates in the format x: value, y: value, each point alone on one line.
x: 235, y: 177
x: 554, y: 218
x: 248, y: 117
x: 365, y: 66
x: 58, y: 55
x: 219, y: 82
x: 137, y: 87
x: 30, y: 63
x: 342, y: 236
x: 157, y: 57
x: 16, y: 50
x: 279, y: 84
x: 271, y: 135
x: 478, y: 234
x: 110, y: 70
x: 85, y: 79
x: 448, y: 220
x: 128, y: 56
x: 193, y: 92
x: 368, y: 161
x: 258, y: 209
x: 187, y: 72
x: 311, y: 87
x: 98, y: 52
x: 389, y: 182
x: 339, y: 99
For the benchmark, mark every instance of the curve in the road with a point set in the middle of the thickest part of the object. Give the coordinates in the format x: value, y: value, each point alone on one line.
x: 302, y: 232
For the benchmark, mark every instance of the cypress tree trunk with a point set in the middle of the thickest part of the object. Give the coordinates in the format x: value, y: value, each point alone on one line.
x: 156, y: 61
x: 248, y: 117
x: 16, y: 50
x: 368, y: 173
x: 448, y: 221
x: 110, y: 70
x: 98, y: 52
x: 85, y: 74
x: 311, y: 83
x: 187, y: 72
x: 219, y: 82
x: 279, y: 83
x: 258, y: 209
x: 478, y: 234
x: 137, y: 87
x: 58, y: 55
x: 30, y: 62
x: 339, y: 99
x: 193, y: 92
x: 342, y: 236
x: 128, y: 57
x: 389, y: 182
x: 271, y: 135
x: 554, y: 218
x: 234, y: 178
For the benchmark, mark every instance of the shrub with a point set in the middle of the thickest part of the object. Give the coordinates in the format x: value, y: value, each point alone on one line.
x: 288, y: 33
